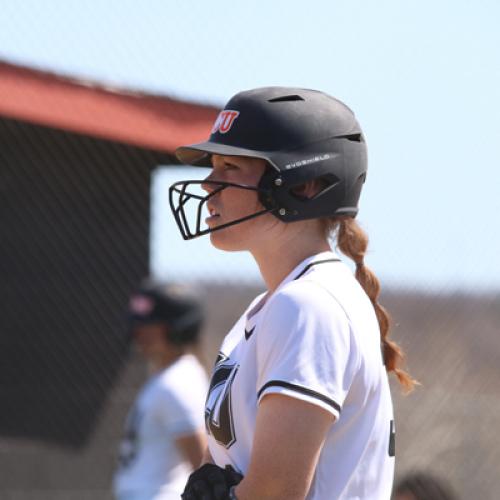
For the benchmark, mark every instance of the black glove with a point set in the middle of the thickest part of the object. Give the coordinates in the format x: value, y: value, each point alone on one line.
x: 211, y: 482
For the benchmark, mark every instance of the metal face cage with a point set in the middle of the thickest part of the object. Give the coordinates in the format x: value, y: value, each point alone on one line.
x: 182, y: 192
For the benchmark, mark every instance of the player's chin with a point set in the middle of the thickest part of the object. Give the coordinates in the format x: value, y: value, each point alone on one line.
x: 227, y: 239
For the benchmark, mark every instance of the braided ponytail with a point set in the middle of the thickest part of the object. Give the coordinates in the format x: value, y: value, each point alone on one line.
x: 353, y: 242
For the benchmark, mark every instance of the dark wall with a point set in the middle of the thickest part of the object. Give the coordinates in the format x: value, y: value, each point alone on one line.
x: 74, y: 231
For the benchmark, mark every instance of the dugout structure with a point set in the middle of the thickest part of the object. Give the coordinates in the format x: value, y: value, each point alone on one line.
x: 75, y: 165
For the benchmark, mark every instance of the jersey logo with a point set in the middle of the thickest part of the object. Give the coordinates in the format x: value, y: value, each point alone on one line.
x: 225, y: 121
x: 218, y: 412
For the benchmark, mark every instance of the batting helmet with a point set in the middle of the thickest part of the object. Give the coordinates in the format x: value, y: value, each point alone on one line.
x: 302, y: 135
x: 180, y: 313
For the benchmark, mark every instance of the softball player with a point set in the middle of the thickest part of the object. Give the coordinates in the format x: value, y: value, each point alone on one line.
x: 164, y: 439
x: 299, y: 403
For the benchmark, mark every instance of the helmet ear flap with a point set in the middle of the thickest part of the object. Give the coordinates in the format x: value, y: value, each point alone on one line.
x: 267, y: 185
x: 278, y: 194
x: 320, y: 185
x: 186, y: 326
x: 328, y: 181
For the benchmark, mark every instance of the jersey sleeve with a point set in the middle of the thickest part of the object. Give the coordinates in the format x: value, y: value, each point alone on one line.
x: 304, y: 347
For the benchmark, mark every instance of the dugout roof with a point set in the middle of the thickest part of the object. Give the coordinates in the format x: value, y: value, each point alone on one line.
x: 150, y: 121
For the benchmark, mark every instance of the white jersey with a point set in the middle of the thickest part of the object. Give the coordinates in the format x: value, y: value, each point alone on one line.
x: 169, y: 406
x: 316, y: 338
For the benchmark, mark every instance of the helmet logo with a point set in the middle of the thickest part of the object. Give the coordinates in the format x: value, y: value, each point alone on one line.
x: 225, y: 121
x: 141, y: 305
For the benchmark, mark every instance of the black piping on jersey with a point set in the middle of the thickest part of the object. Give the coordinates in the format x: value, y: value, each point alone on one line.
x: 302, y: 390
x: 304, y: 271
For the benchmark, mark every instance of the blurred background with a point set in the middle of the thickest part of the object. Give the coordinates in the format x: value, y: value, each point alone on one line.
x: 94, y: 99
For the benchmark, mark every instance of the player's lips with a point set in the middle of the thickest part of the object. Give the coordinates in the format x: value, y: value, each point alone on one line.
x: 214, y: 215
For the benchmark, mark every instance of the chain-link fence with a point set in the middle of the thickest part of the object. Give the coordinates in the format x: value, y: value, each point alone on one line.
x: 84, y: 219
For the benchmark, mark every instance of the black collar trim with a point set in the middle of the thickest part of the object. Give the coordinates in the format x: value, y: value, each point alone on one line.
x: 304, y: 271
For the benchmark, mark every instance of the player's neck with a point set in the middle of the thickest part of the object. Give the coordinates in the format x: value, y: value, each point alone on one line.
x: 160, y: 362
x: 278, y: 259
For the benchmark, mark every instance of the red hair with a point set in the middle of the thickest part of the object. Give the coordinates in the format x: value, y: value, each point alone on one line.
x: 353, y: 242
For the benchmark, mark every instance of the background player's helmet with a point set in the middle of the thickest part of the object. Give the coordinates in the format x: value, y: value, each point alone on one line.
x: 170, y: 306
x: 302, y: 135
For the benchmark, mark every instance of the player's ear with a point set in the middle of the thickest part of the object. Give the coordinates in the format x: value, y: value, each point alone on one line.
x: 167, y: 333
x: 309, y: 189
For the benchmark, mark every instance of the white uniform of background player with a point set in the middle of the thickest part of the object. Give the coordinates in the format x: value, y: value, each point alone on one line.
x: 168, y: 408
x: 315, y: 339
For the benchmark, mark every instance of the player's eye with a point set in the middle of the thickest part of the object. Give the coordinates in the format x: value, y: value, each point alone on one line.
x: 230, y: 166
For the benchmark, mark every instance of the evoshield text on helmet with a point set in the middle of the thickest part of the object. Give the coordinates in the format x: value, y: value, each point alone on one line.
x: 302, y: 134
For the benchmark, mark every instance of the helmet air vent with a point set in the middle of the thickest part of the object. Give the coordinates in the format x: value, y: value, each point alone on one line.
x: 286, y: 98
x: 352, y: 137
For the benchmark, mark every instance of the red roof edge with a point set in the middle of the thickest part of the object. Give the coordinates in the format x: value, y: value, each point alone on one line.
x: 151, y: 121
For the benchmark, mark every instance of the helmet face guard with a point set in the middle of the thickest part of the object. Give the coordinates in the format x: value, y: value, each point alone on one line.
x: 303, y: 135
x: 182, y: 192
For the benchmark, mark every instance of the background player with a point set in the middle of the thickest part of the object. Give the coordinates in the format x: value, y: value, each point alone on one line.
x: 164, y: 438
x: 299, y: 402
x: 423, y: 486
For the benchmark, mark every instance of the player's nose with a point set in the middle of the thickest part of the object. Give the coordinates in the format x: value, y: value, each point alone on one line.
x: 209, y: 183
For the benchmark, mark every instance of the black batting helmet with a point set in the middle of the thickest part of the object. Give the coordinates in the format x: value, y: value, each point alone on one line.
x: 177, y: 310
x: 302, y: 135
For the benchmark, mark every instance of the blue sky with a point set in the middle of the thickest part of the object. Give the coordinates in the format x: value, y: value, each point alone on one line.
x: 423, y: 78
